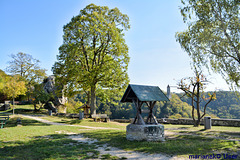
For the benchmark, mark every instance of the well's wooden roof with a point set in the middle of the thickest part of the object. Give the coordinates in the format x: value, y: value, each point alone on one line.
x: 143, y: 93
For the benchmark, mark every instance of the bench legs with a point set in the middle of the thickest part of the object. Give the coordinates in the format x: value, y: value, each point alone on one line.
x: 100, y: 119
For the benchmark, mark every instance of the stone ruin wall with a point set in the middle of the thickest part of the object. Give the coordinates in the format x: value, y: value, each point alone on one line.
x: 50, y: 87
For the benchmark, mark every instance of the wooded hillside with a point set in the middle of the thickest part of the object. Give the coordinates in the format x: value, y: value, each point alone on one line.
x: 173, y: 109
x: 227, y: 104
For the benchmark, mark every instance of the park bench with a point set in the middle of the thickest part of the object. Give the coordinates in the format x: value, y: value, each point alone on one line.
x: 3, y: 120
x: 100, y: 117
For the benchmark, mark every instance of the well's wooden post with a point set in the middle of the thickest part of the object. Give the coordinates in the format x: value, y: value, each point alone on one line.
x: 138, y: 119
x: 151, y: 118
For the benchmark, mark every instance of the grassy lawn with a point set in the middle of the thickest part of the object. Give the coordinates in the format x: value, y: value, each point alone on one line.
x: 197, y: 143
x: 180, y: 145
x: 23, y: 109
x: 86, y: 122
x: 36, y: 140
x: 201, y: 128
x: 216, y: 131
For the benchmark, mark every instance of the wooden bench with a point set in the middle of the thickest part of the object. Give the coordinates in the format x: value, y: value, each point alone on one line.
x: 100, y: 117
x: 3, y: 120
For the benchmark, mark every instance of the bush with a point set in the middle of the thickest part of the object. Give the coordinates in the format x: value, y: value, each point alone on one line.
x: 73, y: 106
x: 176, y: 116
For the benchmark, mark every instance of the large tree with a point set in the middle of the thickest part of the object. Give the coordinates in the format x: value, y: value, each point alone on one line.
x: 28, y: 68
x: 212, y: 36
x: 94, y: 54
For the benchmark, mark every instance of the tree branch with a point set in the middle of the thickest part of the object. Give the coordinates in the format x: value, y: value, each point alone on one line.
x: 204, y: 112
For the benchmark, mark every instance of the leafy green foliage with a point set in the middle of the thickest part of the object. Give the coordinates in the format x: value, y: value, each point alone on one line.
x: 3, y: 79
x: 28, y: 69
x: 73, y: 106
x: 94, y: 54
x: 117, y: 110
x: 14, y: 87
x: 225, y: 106
x: 40, y: 96
x: 175, y: 108
x: 212, y: 36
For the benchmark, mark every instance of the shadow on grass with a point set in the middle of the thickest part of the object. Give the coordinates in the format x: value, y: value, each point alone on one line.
x: 24, y: 122
x: 29, y: 111
x: 72, y: 121
x: 182, y: 145
x: 53, y: 146
x: 237, y: 134
x: 75, y: 121
x: 23, y: 111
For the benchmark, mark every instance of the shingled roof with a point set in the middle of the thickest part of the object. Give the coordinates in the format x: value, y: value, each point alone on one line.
x: 143, y: 93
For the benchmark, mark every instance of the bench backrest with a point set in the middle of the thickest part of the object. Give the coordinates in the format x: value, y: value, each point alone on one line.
x: 4, y: 117
x: 99, y: 116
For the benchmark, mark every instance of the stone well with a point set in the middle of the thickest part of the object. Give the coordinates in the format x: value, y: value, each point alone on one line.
x: 141, y: 130
x: 145, y: 132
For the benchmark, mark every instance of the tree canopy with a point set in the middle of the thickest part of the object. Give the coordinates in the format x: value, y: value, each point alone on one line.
x: 14, y: 87
x: 212, y: 36
x: 27, y: 68
x: 94, y: 53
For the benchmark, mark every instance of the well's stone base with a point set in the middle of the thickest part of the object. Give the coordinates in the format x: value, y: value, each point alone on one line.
x: 145, y: 132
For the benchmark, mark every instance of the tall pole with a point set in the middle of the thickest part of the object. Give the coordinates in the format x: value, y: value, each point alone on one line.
x: 13, y: 105
x: 168, y: 92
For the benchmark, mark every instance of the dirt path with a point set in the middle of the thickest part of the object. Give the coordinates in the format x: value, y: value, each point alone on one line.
x: 105, y: 149
x: 131, y: 155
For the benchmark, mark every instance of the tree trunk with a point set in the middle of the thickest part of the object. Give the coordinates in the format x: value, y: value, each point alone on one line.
x: 198, y: 105
x: 93, y: 100
x: 193, y: 108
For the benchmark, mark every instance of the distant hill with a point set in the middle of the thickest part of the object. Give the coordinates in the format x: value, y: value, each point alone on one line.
x: 227, y: 104
x: 175, y: 108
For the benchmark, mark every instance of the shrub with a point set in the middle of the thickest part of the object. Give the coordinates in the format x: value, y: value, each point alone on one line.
x: 73, y: 106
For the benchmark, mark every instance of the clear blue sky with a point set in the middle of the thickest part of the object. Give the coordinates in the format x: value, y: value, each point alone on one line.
x: 35, y: 27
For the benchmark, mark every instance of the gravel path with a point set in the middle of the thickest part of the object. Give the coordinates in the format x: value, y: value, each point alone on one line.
x: 105, y: 149
x: 131, y: 155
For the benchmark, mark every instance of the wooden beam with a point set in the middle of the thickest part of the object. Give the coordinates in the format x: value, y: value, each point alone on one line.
x: 138, y: 119
x: 151, y: 118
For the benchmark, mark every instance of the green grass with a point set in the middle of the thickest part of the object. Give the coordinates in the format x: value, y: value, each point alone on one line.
x: 85, y: 122
x: 223, y: 132
x: 29, y: 106
x: 197, y: 143
x: 181, y: 145
x: 51, y: 147
x: 23, y: 109
x: 201, y: 128
x: 36, y: 140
